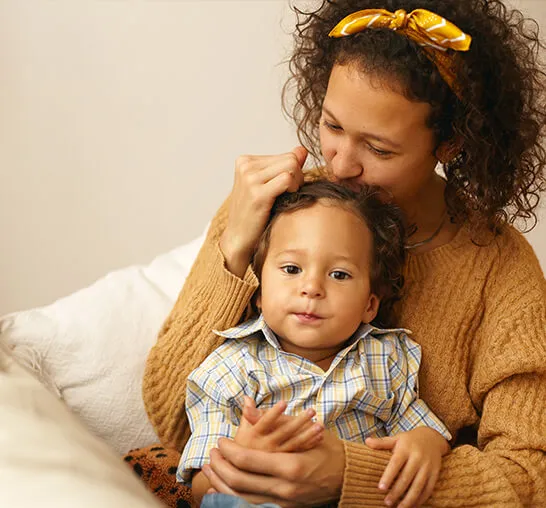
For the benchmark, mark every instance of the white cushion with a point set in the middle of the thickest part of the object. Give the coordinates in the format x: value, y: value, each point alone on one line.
x: 90, y: 348
x: 49, y: 459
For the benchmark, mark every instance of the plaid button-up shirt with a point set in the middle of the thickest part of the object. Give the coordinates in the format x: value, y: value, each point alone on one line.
x: 370, y: 389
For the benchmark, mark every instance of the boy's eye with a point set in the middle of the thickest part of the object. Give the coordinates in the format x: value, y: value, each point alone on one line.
x: 339, y: 275
x: 291, y: 269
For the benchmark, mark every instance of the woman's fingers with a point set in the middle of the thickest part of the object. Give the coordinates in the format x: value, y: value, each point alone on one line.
x: 253, y: 461
x: 229, y: 479
x: 315, y: 476
x: 258, y: 181
x: 215, y: 481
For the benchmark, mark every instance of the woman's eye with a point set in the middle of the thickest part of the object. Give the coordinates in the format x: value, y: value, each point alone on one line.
x: 331, y: 126
x: 291, y: 269
x: 378, y: 152
x: 339, y: 275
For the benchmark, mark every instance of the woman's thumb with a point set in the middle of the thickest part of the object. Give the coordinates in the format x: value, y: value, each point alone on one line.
x: 301, y: 154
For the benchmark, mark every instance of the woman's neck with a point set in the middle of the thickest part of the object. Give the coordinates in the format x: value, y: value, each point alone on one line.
x: 430, y: 227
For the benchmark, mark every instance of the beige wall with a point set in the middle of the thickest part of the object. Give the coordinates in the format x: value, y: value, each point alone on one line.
x: 117, y: 115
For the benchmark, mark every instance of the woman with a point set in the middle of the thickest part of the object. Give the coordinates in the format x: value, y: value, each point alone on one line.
x: 387, y: 95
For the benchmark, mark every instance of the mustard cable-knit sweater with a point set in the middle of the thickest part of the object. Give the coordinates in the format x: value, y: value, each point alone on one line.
x: 479, y: 313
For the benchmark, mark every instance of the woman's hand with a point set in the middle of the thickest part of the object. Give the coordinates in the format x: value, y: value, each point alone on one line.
x: 414, y: 466
x: 258, y: 181
x: 308, y: 478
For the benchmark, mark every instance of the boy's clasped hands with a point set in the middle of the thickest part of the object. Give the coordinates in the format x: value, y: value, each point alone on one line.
x: 413, y: 468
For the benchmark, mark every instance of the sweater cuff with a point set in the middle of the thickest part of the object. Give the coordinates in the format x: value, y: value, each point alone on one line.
x: 363, y: 470
x: 235, y: 292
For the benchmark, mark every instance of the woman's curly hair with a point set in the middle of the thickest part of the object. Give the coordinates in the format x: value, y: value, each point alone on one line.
x: 385, y: 222
x: 498, y: 118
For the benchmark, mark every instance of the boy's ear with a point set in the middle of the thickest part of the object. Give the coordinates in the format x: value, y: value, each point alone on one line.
x: 371, y: 309
x: 448, y: 150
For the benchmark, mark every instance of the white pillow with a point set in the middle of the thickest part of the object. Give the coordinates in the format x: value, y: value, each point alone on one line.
x: 90, y: 348
x: 49, y: 459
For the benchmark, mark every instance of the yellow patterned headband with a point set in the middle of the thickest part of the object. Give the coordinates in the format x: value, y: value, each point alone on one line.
x: 435, y: 34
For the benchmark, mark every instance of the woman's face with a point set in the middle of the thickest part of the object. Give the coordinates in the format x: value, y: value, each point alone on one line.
x: 371, y: 134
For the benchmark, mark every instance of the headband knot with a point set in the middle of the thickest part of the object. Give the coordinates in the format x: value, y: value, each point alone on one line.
x: 432, y: 32
x: 399, y: 20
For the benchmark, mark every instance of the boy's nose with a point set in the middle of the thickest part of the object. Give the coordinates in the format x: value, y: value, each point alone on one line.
x: 312, y: 288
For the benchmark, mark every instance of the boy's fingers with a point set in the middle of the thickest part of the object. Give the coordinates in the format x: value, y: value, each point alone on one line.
x: 302, y: 440
x: 250, y: 412
x: 429, y: 488
x: 381, y: 443
x: 295, y: 425
x: 415, y: 489
x: 265, y: 423
x: 315, y: 441
x: 396, y: 463
x: 402, y: 482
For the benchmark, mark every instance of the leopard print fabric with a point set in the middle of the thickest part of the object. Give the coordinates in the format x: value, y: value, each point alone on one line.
x: 156, y: 466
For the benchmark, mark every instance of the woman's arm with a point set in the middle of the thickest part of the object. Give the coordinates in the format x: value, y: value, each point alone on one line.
x: 199, y: 486
x: 212, y: 298
x: 218, y: 288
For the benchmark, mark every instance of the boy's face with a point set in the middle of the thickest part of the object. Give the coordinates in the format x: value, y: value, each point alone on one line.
x: 315, y: 284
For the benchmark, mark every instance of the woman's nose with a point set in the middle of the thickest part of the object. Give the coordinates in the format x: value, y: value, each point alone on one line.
x: 345, y: 166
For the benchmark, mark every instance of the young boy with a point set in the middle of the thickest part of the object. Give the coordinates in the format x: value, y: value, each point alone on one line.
x: 312, y: 352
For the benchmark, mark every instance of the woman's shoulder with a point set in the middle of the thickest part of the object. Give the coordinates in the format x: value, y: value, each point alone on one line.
x: 508, y: 245
x: 514, y: 264
x: 513, y: 251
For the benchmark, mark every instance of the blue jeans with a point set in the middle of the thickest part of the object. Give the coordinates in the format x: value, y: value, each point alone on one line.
x: 226, y: 501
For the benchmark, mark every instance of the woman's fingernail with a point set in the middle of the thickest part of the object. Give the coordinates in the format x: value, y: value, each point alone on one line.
x: 388, y: 502
x: 206, y: 470
x: 382, y: 486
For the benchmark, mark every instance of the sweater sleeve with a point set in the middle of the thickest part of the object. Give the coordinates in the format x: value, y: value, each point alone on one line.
x: 508, y: 387
x: 212, y: 298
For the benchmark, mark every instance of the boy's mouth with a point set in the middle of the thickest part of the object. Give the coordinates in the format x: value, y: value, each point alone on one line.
x: 308, y: 317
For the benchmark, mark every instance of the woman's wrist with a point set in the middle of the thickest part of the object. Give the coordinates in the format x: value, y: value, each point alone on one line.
x: 236, y: 257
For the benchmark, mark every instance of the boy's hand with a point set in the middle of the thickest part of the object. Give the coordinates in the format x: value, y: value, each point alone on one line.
x: 274, y: 431
x: 415, y: 465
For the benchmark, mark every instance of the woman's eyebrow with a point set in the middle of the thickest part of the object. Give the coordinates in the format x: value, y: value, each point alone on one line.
x: 365, y: 135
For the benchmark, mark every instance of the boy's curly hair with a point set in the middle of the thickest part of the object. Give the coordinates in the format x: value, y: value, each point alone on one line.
x: 384, y: 220
x: 498, y: 175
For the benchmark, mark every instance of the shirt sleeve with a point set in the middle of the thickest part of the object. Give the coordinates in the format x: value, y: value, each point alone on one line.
x: 213, y: 411
x: 408, y: 410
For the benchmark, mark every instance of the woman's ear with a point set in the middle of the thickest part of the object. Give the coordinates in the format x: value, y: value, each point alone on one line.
x: 371, y: 309
x: 448, y: 150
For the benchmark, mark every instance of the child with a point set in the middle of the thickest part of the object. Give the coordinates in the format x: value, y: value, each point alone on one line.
x: 312, y: 351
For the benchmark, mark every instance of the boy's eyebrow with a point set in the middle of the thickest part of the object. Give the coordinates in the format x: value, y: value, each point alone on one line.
x: 340, y: 257
x: 364, y: 135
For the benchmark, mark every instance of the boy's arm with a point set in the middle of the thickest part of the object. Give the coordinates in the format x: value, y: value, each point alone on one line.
x: 415, y: 464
